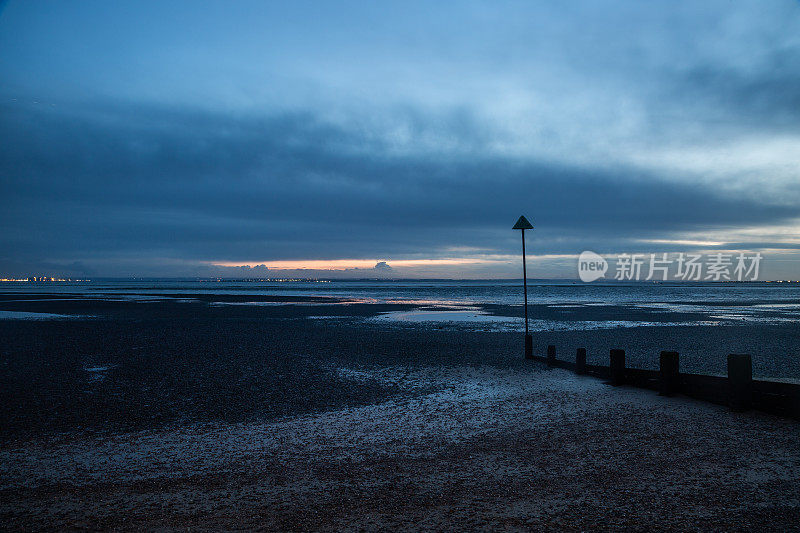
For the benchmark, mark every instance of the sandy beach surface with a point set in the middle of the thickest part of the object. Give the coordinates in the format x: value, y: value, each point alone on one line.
x: 493, y: 448
x: 166, y: 415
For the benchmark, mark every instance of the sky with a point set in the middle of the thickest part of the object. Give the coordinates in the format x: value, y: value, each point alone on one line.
x: 394, y: 139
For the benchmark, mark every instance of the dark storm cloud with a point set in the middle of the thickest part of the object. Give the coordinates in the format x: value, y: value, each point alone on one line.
x: 152, y: 136
x: 764, y: 99
x: 155, y: 183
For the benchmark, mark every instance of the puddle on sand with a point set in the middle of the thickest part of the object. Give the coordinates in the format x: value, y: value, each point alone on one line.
x: 468, y: 316
x: 28, y: 315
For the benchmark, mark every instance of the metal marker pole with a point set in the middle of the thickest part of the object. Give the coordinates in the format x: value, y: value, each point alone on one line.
x: 525, y: 282
x: 523, y: 224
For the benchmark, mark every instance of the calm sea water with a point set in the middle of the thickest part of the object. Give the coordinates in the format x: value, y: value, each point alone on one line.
x: 756, y: 300
x: 444, y: 291
x: 766, y: 315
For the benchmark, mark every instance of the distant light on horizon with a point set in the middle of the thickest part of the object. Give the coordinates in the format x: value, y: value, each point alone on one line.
x: 344, y: 264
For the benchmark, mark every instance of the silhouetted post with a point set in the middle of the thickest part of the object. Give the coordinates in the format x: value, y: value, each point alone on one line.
x: 580, y: 361
x: 670, y: 379
x: 523, y: 224
x: 617, y: 367
x: 740, y: 380
x: 551, y: 355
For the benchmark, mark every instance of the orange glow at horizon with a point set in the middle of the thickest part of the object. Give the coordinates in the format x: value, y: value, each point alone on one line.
x: 344, y: 264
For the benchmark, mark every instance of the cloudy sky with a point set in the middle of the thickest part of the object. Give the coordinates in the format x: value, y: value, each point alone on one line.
x: 405, y: 138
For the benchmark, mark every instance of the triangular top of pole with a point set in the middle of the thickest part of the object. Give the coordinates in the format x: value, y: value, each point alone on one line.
x: 522, y: 223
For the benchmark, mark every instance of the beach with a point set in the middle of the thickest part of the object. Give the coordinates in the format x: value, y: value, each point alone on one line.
x: 301, y: 412
x: 399, y: 266
x: 494, y: 448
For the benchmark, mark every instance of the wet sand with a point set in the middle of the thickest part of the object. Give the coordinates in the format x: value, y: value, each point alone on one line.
x: 167, y: 414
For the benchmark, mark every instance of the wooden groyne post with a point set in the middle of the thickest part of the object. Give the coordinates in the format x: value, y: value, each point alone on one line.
x: 669, y: 373
x: 617, y: 367
x: 740, y: 381
x: 551, y: 355
x: 580, y: 361
x: 738, y: 389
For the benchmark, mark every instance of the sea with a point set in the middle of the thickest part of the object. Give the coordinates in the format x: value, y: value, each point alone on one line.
x: 462, y: 300
x: 444, y: 290
x: 704, y: 322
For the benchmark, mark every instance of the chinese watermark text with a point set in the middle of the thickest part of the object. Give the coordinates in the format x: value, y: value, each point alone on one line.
x: 720, y: 266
